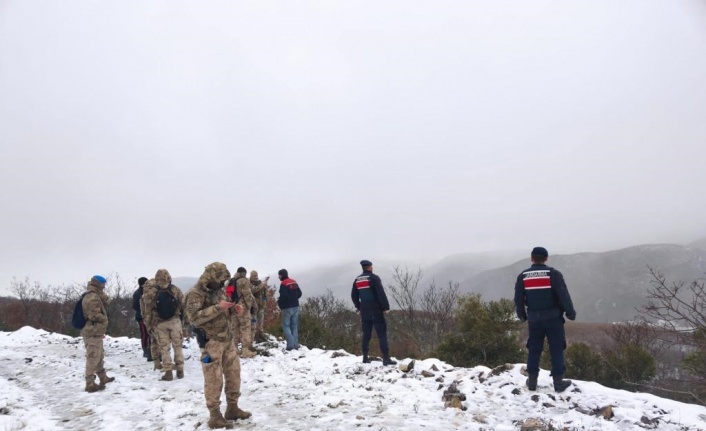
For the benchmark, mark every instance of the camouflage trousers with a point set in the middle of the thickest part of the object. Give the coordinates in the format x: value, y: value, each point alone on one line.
x: 260, y: 324
x: 94, y: 356
x: 154, y: 344
x: 170, y: 334
x: 224, y: 365
x: 243, y: 333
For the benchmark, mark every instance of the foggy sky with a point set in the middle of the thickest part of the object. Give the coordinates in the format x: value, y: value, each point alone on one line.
x: 137, y: 135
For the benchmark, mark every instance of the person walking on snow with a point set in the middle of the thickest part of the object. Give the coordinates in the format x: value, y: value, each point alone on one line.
x: 93, y: 305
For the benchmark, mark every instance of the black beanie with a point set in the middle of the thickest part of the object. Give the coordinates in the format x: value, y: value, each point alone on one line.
x: 283, y: 273
x: 242, y: 270
x: 141, y: 281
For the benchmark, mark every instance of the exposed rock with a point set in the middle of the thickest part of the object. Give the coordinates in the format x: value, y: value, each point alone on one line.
x: 548, y: 405
x: 426, y: 373
x: 454, y: 402
x: 516, y: 391
x: 647, y: 421
x: 439, y: 379
x: 406, y: 368
x: 452, y: 397
x: 535, y: 398
x: 434, y: 368
x: 533, y: 424
x: 483, y: 419
x: 501, y: 369
x: 523, y: 371
x: 606, y: 412
x: 337, y: 355
x: 337, y: 405
x: 360, y: 418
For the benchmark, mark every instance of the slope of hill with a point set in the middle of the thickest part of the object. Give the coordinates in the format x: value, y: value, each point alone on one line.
x: 41, y: 382
x: 605, y: 287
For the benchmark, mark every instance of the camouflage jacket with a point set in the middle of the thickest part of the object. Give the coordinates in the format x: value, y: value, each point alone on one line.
x: 161, y: 281
x: 245, y: 296
x: 259, y: 291
x: 202, y: 308
x: 93, y: 304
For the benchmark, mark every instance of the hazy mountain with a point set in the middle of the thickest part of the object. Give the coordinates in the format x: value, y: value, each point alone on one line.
x: 184, y: 283
x: 605, y: 287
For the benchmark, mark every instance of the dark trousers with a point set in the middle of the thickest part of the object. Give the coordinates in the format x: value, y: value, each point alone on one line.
x: 377, y: 321
x: 553, y: 330
x: 144, y: 335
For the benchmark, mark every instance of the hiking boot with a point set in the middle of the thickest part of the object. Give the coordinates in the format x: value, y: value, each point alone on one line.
x: 532, y: 382
x: 180, y: 374
x: 386, y: 360
x: 168, y: 376
x: 247, y: 353
x: 91, y: 385
x: 157, y: 364
x: 233, y: 412
x: 217, y: 420
x: 560, y: 385
x: 104, y: 379
x: 366, y: 360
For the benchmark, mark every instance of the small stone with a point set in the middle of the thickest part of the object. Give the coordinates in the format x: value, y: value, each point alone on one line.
x: 516, y: 391
x: 548, y: 405
x: 535, y: 398
x: 426, y: 373
x: 434, y: 368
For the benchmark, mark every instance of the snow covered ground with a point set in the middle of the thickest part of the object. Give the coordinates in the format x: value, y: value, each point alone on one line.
x: 41, y: 388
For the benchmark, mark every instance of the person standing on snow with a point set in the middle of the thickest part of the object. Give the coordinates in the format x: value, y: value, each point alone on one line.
x: 370, y: 300
x: 240, y: 291
x: 212, y: 314
x: 94, y: 304
x: 259, y: 291
x: 144, y: 335
x: 288, y: 302
x: 165, y: 305
x: 541, y: 297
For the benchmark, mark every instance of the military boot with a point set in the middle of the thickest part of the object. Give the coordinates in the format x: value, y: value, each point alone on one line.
x: 91, y: 385
x: 104, y: 379
x: 386, y: 360
x: 247, y: 353
x: 366, y: 360
x: 532, y: 382
x: 217, y: 420
x: 560, y: 384
x: 233, y: 412
x: 180, y: 374
x: 157, y: 364
x: 168, y: 376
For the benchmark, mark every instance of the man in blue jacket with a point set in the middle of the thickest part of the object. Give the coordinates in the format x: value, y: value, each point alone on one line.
x: 541, y: 297
x: 288, y: 302
x: 370, y: 300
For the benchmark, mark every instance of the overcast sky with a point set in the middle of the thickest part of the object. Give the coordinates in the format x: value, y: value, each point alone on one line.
x: 137, y: 135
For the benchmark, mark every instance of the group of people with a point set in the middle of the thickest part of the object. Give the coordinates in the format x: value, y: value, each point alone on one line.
x: 220, y: 310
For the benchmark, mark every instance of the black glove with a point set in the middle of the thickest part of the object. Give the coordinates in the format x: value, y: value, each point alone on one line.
x: 571, y: 316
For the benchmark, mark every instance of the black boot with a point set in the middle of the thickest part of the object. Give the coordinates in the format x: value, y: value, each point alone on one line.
x: 386, y: 360
x: 560, y: 385
x: 366, y: 360
x: 532, y: 382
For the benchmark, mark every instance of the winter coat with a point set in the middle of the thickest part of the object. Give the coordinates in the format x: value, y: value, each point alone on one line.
x: 541, y: 294
x: 289, y: 294
x: 368, y: 295
x: 94, y: 303
x: 136, y: 297
x: 202, y: 308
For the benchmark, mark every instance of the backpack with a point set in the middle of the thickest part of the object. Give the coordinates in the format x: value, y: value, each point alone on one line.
x: 167, y: 304
x: 78, y: 320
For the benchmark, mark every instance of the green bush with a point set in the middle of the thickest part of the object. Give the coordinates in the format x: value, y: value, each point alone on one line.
x: 487, y: 334
x: 583, y: 363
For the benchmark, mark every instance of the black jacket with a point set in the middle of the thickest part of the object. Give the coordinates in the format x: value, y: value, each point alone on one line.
x: 541, y: 294
x: 136, y: 303
x: 289, y: 294
x: 368, y: 293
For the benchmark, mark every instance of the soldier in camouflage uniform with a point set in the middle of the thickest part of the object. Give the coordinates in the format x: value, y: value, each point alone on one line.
x: 93, y: 304
x: 169, y: 331
x: 243, y: 333
x: 150, y: 289
x: 259, y: 291
x: 210, y: 312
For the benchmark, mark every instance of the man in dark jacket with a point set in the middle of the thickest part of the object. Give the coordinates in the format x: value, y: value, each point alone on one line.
x: 144, y: 335
x: 541, y: 297
x: 288, y: 302
x: 370, y: 300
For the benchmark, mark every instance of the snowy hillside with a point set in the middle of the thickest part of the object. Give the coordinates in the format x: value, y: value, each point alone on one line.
x: 41, y: 388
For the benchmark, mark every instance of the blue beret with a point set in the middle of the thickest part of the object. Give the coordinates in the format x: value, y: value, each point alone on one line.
x: 366, y: 262
x: 99, y: 278
x: 540, y: 251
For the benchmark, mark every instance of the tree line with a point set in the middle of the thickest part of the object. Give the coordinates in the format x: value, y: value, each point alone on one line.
x: 661, y: 351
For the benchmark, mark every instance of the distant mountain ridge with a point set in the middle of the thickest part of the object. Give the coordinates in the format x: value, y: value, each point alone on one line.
x: 605, y: 286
